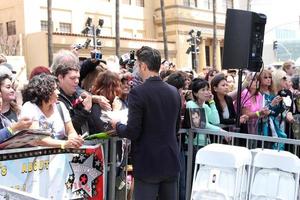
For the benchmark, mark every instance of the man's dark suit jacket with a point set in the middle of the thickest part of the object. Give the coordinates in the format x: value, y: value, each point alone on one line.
x: 153, y: 120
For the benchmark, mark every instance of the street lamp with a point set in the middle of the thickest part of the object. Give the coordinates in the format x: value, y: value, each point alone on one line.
x: 194, y: 42
x: 91, y: 29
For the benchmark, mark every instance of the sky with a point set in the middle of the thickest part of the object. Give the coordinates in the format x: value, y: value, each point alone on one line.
x: 279, y: 12
x: 281, y: 15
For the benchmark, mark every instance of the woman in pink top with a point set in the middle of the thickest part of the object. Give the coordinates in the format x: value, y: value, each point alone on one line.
x: 252, y: 105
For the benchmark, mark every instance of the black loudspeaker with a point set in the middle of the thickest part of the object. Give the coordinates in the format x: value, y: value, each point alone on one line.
x: 243, y: 41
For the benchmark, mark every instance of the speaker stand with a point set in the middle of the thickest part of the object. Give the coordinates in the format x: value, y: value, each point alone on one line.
x: 238, y: 99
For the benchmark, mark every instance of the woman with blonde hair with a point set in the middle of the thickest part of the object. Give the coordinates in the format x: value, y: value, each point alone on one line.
x: 270, y: 84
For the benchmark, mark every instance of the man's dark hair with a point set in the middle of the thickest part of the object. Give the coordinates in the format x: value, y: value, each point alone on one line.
x: 40, y: 88
x: 151, y: 57
x: 176, y: 79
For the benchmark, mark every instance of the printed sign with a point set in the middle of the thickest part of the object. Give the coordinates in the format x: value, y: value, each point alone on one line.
x: 55, y: 173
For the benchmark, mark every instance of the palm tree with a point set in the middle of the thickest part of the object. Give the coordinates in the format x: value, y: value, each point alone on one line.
x: 163, y: 22
x: 214, y: 35
x: 50, y: 31
x: 117, y: 28
x: 248, y: 4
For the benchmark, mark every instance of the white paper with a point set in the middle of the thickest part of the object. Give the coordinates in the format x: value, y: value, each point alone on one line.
x: 121, y: 115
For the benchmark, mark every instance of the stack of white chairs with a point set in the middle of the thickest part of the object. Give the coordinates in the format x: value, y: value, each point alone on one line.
x: 221, y: 173
x: 275, y: 175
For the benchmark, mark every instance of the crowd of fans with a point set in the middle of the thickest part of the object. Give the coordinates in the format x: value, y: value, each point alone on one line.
x: 268, y: 102
x: 69, y: 98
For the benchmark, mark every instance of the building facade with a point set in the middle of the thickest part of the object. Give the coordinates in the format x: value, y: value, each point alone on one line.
x: 24, y: 23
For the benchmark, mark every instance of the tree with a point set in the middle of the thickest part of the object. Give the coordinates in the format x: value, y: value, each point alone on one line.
x: 9, y: 45
x: 117, y: 28
x: 214, y: 36
x: 164, y: 28
x: 248, y: 4
x: 50, y: 32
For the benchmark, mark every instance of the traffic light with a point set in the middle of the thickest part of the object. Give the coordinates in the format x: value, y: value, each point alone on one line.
x: 275, y: 45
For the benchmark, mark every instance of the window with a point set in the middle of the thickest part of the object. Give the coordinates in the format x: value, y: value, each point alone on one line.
x: 128, y: 33
x: 44, y: 25
x: 1, y: 29
x: 65, y: 27
x: 11, y: 28
x: 206, y: 4
x: 139, y: 34
x: 207, y: 55
x: 140, y: 3
x: 221, y: 52
x: 190, y: 3
x: 128, y: 2
x: 227, y: 4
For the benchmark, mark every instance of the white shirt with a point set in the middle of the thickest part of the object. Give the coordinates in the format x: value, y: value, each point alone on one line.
x: 226, y: 113
x: 55, y: 122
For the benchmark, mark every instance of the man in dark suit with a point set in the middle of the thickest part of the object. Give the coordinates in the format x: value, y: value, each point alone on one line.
x: 153, y: 120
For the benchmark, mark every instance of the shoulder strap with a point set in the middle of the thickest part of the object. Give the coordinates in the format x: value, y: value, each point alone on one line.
x: 60, y: 111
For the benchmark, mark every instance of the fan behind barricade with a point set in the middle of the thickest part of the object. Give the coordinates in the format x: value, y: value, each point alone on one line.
x: 296, y: 126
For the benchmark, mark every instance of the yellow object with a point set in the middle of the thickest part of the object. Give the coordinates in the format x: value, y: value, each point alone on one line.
x: 10, y: 130
x: 211, y: 101
x: 257, y: 113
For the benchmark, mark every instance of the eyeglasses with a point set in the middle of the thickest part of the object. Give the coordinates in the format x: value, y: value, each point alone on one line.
x: 266, y: 77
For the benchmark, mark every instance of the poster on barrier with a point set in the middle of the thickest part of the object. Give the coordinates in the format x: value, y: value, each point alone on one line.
x: 197, y: 118
x: 26, y: 137
x: 55, y: 173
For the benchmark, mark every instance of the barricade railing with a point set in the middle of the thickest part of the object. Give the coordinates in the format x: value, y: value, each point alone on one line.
x: 110, y: 152
x: 233, y: 136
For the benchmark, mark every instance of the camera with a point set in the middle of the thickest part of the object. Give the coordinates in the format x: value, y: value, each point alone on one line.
x: 283, y: 93
x: 127, y: 60
x: 96, y: 55
x: 77, y: 46
x: 131, y: 60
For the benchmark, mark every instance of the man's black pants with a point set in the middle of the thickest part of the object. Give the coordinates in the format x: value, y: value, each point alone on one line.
x: 164, y: 189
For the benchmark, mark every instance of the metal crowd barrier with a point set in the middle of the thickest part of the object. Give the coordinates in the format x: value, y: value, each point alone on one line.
x: 112, y: 166
x: 110, y: 155
x: 233, y: 135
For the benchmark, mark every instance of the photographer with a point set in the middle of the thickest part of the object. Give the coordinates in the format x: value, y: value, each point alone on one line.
x: 127, y: 61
